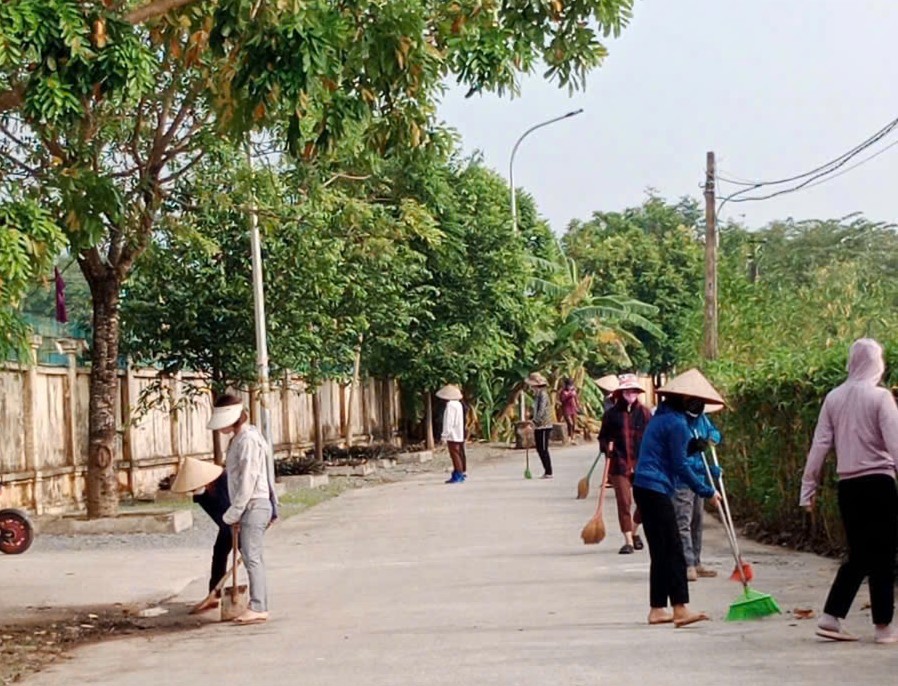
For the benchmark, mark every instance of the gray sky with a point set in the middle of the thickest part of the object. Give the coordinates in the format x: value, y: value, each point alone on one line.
x: 774, y: 87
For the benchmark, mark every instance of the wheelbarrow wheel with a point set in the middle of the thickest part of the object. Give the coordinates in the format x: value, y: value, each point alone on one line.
x: 16, y: 532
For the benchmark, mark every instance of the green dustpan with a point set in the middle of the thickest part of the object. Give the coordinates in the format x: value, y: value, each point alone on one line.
x: 752, y: 604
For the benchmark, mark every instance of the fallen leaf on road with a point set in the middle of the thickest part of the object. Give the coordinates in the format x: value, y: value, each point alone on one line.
x: 803, y: 613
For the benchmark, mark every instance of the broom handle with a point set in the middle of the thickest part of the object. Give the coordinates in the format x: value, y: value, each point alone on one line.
x: 731, y: 535
x: 594, y: 463
x: 726, y: 504
x: 602, y: 486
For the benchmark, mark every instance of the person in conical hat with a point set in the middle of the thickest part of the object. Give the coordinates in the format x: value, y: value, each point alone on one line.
x: 619, y: 438
x: 663, y: 458
x: 688, y: 504
x: 454, y: 431
x: 250, y: 470
x: 542, y: 420
x: 209, y: 484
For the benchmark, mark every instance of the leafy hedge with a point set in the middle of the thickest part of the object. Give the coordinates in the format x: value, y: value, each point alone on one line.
x: 767, y: 434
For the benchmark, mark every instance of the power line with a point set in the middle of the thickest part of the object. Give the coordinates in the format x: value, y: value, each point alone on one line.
x: 814, y: 177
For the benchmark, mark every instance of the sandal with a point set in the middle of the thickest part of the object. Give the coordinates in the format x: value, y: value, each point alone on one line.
x: 251, y: 617
x: 637, y: 543
x: 691, y: 619
x: 835, y: 634
x: 210, y: 602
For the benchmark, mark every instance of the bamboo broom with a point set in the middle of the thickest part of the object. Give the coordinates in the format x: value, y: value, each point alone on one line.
x: 594, y: 531
x: 583, y: 484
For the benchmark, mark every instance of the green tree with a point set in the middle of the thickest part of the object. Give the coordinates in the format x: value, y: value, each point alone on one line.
x: 652, y: 254
x: 104, y: 107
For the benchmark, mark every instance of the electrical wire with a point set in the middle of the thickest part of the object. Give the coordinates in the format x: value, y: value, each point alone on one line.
x: 814, y: 177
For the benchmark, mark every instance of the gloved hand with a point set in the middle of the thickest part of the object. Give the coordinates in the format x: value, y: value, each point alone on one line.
x: 716, y: 471
x: 696, y: 445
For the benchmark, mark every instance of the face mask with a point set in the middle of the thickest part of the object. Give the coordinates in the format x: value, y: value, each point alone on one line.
x: 694, y: 407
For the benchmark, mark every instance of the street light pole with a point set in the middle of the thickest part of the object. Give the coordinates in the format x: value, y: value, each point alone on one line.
x: 514, y: 201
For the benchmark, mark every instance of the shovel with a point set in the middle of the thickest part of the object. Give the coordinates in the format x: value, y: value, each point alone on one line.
x: 235, y: 598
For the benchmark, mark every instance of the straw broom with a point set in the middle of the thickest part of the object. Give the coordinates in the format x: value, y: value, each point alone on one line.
x: 583, y: 484
x: 594, y: 531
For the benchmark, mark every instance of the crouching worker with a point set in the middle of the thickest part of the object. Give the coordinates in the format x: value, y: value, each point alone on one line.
x: 209, y: 485
x: 250, y: 474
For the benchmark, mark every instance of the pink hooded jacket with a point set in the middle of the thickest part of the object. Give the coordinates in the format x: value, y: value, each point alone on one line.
x: 859, y: 419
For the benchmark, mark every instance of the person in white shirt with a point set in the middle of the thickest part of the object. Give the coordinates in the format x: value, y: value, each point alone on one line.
x: 454, y: 431
x: 250, y: 471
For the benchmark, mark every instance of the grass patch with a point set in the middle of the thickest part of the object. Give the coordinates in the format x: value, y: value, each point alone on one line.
x: 295, y: 502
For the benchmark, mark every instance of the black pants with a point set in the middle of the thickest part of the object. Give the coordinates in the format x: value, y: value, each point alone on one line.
x: 667, y: 572
x: 220, y: 552
x: 869, y: 507
x: 541, y: 437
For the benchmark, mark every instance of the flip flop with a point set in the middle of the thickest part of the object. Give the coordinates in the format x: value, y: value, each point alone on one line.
x: 243, y: 620
x: 691, y: 619
x: 835, y: 634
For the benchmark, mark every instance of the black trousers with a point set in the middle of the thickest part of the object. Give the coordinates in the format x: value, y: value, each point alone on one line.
x: 220, y: 552
x: 541, y: 437
x: 667, y: 572
x: 869, y: 508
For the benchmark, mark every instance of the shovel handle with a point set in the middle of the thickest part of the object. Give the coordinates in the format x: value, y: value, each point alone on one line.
x: 235, y: 540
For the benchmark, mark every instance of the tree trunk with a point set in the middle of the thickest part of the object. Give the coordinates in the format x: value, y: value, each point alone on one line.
x: 316, y: 418
x: 102, y: 479
x: 353, y: 388
x: 428, y: 419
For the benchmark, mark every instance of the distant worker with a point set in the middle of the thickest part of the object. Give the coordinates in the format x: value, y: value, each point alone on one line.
x: 570, y: 406
x: 542, y: 420
x: 454, y: 431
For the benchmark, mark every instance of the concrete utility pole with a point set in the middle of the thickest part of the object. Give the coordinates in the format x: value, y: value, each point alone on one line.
x: 710, y: 347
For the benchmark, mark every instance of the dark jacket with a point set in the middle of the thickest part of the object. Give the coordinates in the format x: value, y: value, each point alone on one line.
x: 662, y: 456
x: 215, y: 502
x: 624, y: 427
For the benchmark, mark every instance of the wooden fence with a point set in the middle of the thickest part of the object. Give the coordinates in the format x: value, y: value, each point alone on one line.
x: 44, y: 422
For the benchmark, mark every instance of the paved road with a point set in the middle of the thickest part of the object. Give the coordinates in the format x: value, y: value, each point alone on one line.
x: 424, y: 584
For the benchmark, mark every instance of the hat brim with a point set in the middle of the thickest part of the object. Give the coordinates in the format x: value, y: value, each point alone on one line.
x: 608, y: 383
x: 194, y: 474
x: 629, y: 387
x: 449, y: 393
x: 223, y: 417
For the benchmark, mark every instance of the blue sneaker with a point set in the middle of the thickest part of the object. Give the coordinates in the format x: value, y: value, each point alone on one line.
x: 456, y: 478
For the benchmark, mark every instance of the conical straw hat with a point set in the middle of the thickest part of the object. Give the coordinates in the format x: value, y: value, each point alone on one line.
x: 449, y: 392
x: 537, y: 379
x: 608, y: 383
x: 692, y: 383
x: 194, y: 474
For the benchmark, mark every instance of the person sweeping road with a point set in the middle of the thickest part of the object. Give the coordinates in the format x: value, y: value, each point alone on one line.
x: 688, y: 504
x: 620, y: 436
x: 250, y: 470
x: 859, y: 419
x: 209, y: 485
x: 663, y: 455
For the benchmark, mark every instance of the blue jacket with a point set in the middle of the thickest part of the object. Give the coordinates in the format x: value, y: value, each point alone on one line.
x: 703, y: 427
x: 662, y: 455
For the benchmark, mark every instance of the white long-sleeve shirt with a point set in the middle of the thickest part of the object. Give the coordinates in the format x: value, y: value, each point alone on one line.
x: 247, y: 466
x: 454, y: 422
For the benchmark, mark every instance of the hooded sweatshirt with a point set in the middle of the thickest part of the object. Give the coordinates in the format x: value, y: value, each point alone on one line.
x: 859, y: 419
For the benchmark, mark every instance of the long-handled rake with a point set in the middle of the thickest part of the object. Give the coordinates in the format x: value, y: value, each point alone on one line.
x: 751, y: 604
x: 583, y: 484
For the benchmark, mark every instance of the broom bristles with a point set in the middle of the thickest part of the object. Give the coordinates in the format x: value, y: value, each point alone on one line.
x: 582, y: 488
x: 594, y: 531
x: 752, y: 605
